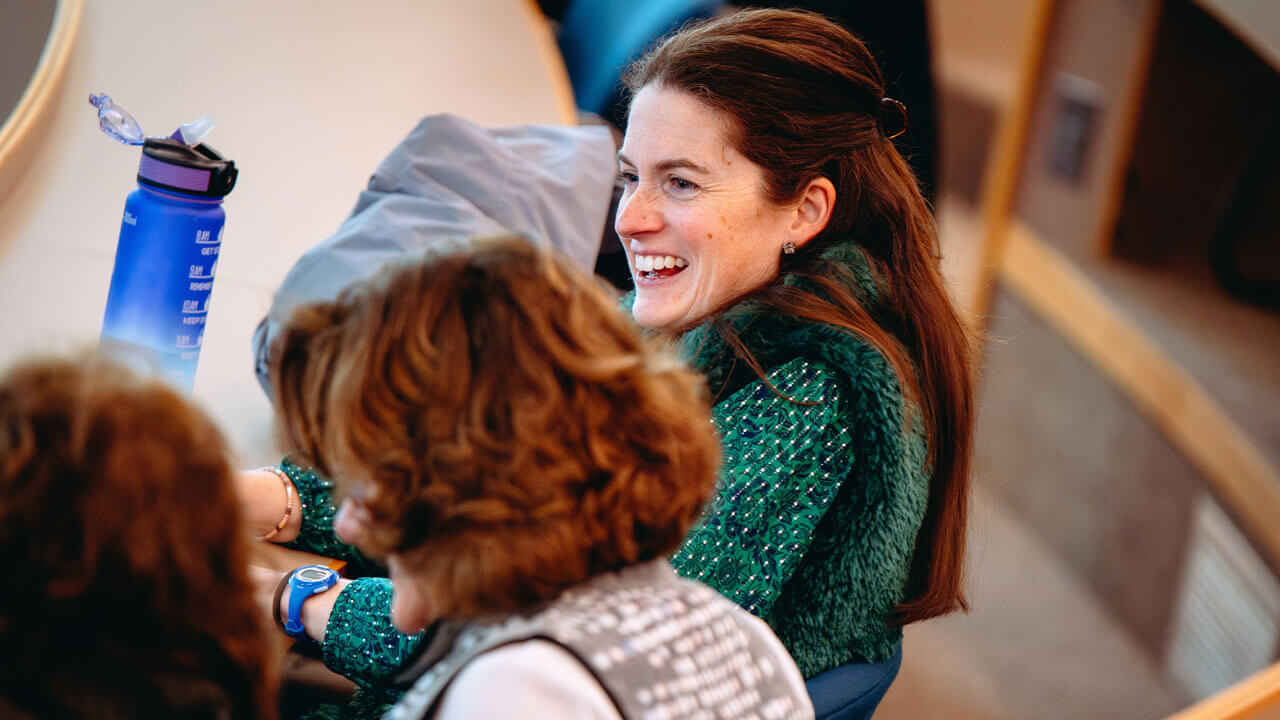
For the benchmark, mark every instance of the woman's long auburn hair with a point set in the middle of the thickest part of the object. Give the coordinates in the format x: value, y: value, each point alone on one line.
x: 804, y: 100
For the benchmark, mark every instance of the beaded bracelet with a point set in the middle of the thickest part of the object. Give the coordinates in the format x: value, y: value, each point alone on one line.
x: 288, y: 500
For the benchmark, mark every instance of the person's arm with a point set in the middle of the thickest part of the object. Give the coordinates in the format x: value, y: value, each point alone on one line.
x: 309, y: 525
x: 359, y: 640
x: 352, y: 623
x: 783, y: 464
x: 269, y: 500
x: 352, y: 620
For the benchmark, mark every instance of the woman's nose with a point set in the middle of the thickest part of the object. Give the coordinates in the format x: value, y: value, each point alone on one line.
x: 637, y: 214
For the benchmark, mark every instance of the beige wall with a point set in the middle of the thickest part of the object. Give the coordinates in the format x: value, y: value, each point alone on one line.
x: 976, y: 42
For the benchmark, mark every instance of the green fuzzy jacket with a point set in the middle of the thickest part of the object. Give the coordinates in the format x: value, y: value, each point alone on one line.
x: 821, y: 496
x: 822, y: 493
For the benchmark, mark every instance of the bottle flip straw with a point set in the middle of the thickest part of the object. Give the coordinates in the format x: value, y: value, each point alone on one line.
x: 168, y: 249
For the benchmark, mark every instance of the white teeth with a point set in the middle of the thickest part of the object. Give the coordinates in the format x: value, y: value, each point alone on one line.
x: 649, y: 263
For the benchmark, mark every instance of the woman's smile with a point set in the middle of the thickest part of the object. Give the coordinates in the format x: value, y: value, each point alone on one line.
x: 649, y: 269
x: 655, y: 266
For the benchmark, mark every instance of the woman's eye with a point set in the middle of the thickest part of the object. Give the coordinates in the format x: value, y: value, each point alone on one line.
x: 628, y: 177
x: 681, y: 185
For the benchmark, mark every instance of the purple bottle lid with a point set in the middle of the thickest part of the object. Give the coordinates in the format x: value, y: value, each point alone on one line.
x: 199, y: 170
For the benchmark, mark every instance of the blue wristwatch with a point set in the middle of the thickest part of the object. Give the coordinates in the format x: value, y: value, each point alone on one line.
x: 304, y: 582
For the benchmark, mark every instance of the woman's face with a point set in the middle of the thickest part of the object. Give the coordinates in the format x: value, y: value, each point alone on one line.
x: 694, y: 220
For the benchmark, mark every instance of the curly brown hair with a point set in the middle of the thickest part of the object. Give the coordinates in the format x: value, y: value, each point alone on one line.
x: 117, y: 602
x: 502, y: 420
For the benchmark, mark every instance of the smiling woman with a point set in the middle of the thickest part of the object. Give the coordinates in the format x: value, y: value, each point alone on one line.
x: 32, y: 72
x: 758, y: 152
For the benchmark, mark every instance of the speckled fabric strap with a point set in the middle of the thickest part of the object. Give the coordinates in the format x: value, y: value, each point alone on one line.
x: 783, y: 465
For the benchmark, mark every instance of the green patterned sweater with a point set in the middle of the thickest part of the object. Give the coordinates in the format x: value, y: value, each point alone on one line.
x: 821, y: 496
x: 822, y: 492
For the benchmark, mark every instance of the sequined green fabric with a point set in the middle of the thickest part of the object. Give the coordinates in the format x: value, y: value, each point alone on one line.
x: 364, y: 705
x: 316, y: 496
x: 816, y: 512
x: 761, y: 522
x: 360, y: 642
x: 835, y: 493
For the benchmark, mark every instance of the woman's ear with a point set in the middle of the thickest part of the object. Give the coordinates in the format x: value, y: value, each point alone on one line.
x: 813, y: 211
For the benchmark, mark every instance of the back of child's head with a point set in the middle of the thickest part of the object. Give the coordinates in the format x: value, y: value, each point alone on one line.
x: 126, y: 561
x: 504, y: 423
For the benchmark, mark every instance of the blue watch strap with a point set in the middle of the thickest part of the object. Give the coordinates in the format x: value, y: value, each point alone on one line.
x: 304, y: 582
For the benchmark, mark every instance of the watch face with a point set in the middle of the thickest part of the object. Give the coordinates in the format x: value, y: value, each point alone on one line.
x: 312, y: 574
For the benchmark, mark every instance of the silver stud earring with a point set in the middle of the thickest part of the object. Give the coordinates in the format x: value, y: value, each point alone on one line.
x: 789, y: 248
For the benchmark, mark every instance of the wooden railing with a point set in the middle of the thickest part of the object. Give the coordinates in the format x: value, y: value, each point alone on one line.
x: 1234, y: 469
x: 1254, y: 698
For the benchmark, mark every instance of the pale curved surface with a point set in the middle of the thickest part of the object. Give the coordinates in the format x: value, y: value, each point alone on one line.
x: 307, y: 99
x: 17, y: 132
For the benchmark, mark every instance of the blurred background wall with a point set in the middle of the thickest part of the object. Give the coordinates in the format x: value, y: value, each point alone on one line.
x: 1108, y: 185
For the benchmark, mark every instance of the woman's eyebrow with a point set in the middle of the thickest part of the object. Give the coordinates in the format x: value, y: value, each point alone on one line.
x: 672, y: 164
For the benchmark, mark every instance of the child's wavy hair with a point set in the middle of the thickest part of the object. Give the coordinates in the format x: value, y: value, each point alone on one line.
x: 507, y: 428
x: 126, y: 570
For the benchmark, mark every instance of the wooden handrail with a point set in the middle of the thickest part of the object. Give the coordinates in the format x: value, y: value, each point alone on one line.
x: 1130, y: 111
x: 283, y: 559
x: 1235, y: 471
x: 1000, y: 183
x: 1257, y: 697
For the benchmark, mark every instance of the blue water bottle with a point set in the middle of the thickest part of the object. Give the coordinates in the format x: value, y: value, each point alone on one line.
x: 167, y: 254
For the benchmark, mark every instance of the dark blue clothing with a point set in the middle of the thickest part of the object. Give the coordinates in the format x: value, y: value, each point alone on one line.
x: 852, y: 692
